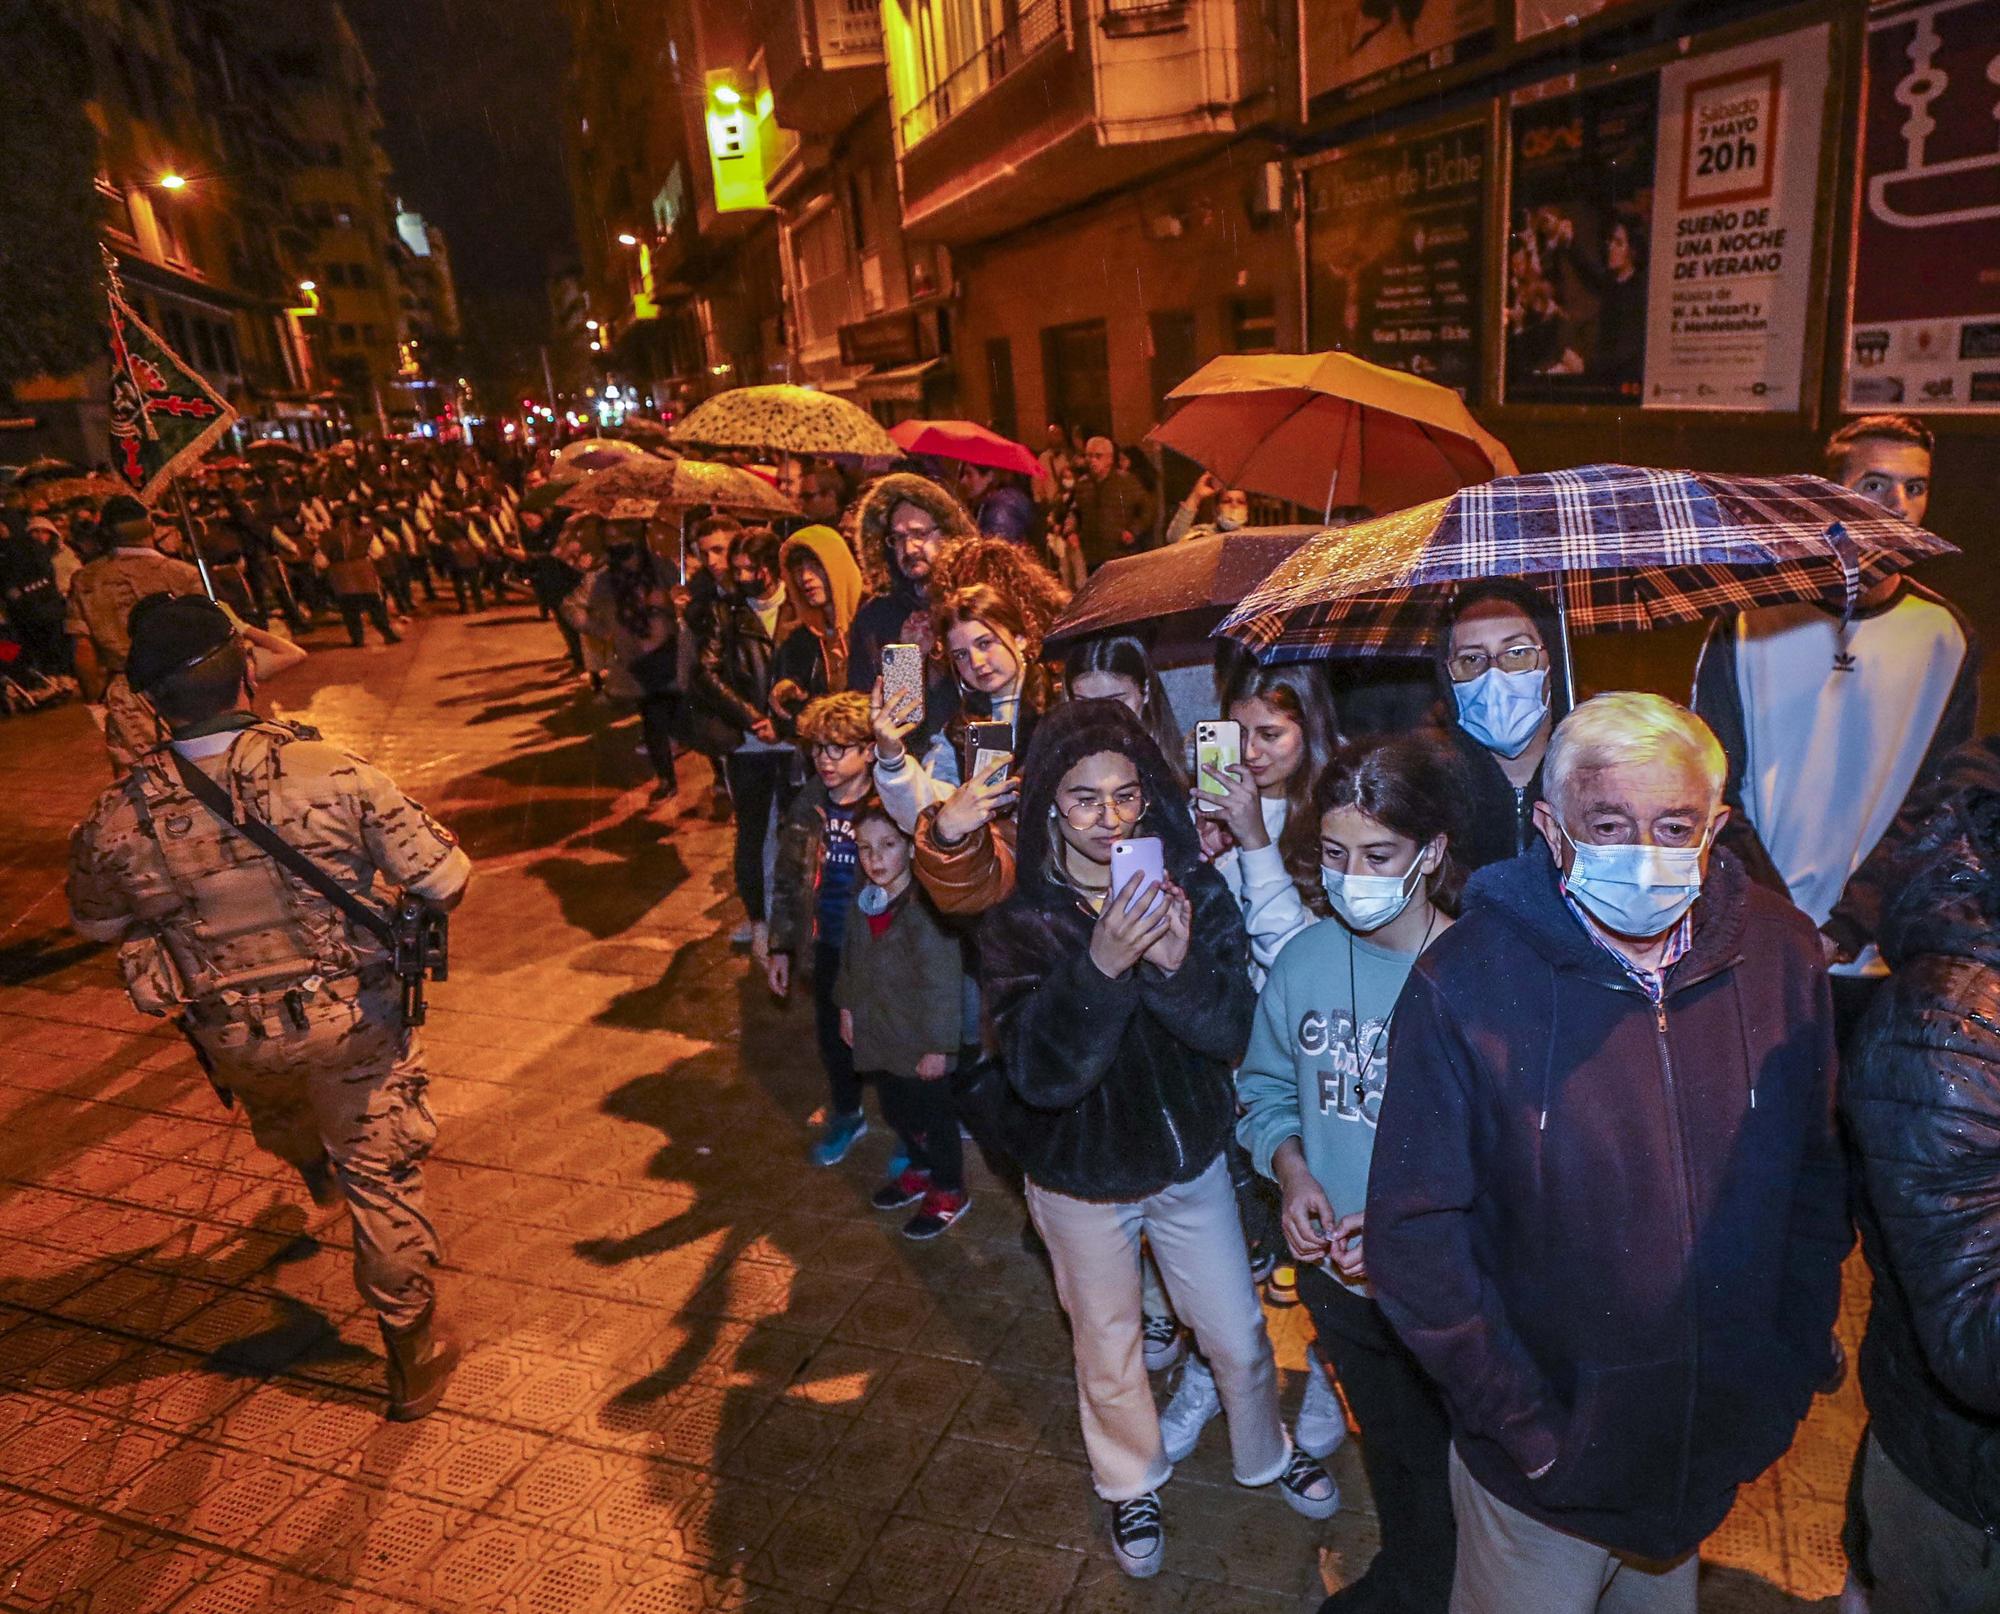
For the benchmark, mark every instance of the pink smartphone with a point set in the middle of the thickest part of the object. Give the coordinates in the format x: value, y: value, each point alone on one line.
x: 1142, y: 856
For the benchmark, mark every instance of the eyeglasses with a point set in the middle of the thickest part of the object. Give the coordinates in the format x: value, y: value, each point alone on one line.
x: 1124, y: 808
x: 834, y: 750
x: 913, y: 535
x: 1470, y: 664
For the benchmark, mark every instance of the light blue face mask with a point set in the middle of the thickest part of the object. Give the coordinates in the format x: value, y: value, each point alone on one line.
x: 1502, y: 710
x: 1636, y: 891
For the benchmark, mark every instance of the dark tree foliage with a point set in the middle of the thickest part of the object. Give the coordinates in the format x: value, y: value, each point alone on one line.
x: 50, y: 307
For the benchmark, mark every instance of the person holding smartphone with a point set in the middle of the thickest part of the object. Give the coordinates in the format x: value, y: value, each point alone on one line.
x: 1117, y: 1015
x: 995, y: 657
x: 1385, y: 815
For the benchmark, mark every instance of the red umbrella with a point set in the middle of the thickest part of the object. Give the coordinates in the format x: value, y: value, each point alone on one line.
x: 965, y: 441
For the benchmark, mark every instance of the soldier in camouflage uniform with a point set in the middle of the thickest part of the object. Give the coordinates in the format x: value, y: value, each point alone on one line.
x: 101, y: 598
x: 295, y: 1011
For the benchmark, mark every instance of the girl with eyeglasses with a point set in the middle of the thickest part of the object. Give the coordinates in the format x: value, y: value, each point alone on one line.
x: 1381, y: 834
x: 1289, y: 730
x: 1501, y: 701
x: 1116, y: 1016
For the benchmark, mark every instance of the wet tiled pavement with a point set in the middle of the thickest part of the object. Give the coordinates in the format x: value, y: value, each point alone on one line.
x: 701, y: 1375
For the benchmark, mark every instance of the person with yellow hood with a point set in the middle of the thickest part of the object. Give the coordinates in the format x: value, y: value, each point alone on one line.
x: 824, y: 585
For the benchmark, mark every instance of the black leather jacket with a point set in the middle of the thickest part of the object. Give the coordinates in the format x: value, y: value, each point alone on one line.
x: 734, y: 674
x: 1921, y: 1099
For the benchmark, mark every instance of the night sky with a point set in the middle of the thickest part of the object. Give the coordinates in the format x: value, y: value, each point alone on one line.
x: 471, y: 92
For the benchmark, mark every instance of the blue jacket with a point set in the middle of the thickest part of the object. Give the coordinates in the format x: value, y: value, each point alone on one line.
x: 1613, y: 1232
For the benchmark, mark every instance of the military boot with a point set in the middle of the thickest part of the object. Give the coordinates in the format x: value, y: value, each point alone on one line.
x: 421, y: 1358
x: 321, y: 1183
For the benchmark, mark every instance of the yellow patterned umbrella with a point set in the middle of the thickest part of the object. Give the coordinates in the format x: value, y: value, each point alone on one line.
x: 786, y: 420
x: 639, y: 489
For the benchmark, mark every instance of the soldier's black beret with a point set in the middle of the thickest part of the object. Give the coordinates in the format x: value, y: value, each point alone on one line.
x: 171, y: 632
x: 122, y: 508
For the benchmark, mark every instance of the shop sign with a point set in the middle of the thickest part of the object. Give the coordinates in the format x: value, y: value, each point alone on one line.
x: 1924, y: 323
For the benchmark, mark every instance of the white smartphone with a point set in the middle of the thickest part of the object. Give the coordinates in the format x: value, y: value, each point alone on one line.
x: 903, y: 671
x: 1143, y: 856
x: 1217, y: 745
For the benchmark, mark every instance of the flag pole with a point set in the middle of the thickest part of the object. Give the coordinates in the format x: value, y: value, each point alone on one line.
x: 194, y: 543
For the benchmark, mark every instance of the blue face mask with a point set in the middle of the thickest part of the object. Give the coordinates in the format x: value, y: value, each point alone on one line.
x: 1634, y: 890
x: 1502, y: 710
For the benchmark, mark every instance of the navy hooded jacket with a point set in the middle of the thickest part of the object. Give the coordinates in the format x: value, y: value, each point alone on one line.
x: 1613, y: 1233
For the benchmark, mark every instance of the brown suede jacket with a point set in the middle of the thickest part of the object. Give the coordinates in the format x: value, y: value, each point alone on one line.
x: 972, y: 876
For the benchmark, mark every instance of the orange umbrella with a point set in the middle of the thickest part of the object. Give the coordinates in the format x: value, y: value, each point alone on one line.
x: 1321, y: 429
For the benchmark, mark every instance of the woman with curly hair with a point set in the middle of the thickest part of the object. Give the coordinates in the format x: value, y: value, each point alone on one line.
x: 992, y: 646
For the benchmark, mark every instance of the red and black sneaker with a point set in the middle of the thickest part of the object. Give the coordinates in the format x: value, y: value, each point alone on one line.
x: 941, y: 1208
x: 906, y: 1188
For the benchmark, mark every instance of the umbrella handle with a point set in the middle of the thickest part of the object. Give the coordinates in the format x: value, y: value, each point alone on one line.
x: 1562, y: 624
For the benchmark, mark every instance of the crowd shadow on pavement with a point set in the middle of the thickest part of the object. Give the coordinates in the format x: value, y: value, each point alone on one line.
x: 150, y: 1308
x: 36, y: 957
x: 820, y: 1358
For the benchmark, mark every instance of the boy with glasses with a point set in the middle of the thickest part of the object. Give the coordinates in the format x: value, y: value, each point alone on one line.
x: 813, y: 888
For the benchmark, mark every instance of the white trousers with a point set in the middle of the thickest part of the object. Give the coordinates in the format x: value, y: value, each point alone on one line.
x: 1197, y: 1240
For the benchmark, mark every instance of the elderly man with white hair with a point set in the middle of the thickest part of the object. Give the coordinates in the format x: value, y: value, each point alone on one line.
x: 1607, y: 1210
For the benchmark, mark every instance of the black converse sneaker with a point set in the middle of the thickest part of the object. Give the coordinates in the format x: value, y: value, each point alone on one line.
x: 1137, y: 1541
x: 1308, y: 1488
x: 1164, y: 1345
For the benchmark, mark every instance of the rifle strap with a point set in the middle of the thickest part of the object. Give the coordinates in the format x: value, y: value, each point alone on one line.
x: 260, y: 834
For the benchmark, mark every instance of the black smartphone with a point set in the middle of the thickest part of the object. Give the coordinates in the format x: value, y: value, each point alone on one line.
x: 985, y: 741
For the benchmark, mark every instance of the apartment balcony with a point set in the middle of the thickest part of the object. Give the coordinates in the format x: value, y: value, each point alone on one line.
x: 823, y: 59
x: 1064, y: 101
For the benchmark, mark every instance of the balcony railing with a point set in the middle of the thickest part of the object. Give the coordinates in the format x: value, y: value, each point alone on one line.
x: 1033, y: 26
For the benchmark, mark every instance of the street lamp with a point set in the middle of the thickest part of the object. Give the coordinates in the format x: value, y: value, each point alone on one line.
x: 590, y: 325
x: 308, y: 286
x: 596, y: 347
x: 172, y: 182
x: 627, y: 239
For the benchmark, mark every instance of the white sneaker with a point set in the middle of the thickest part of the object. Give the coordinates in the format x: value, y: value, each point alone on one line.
x: 1322, y: 1424
x: 742, y: 935
x: 1194, y: 1403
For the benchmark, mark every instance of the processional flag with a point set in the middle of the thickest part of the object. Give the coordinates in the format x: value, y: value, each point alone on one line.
x: 164, y: 417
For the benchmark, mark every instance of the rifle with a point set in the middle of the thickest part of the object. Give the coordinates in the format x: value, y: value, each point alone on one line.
x: 417, y: 937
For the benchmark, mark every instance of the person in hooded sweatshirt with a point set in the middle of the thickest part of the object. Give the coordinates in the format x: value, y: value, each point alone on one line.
x: 902, y: 522
x: 1116, y: 1017
x: 1502, y: 700
x: 1606, y: 1207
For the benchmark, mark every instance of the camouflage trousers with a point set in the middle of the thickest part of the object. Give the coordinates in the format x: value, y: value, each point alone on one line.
x: 349, y: 1084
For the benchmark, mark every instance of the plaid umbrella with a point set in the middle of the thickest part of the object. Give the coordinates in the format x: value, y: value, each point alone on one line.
x: 1617, y: 547
x: 638, y: 489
